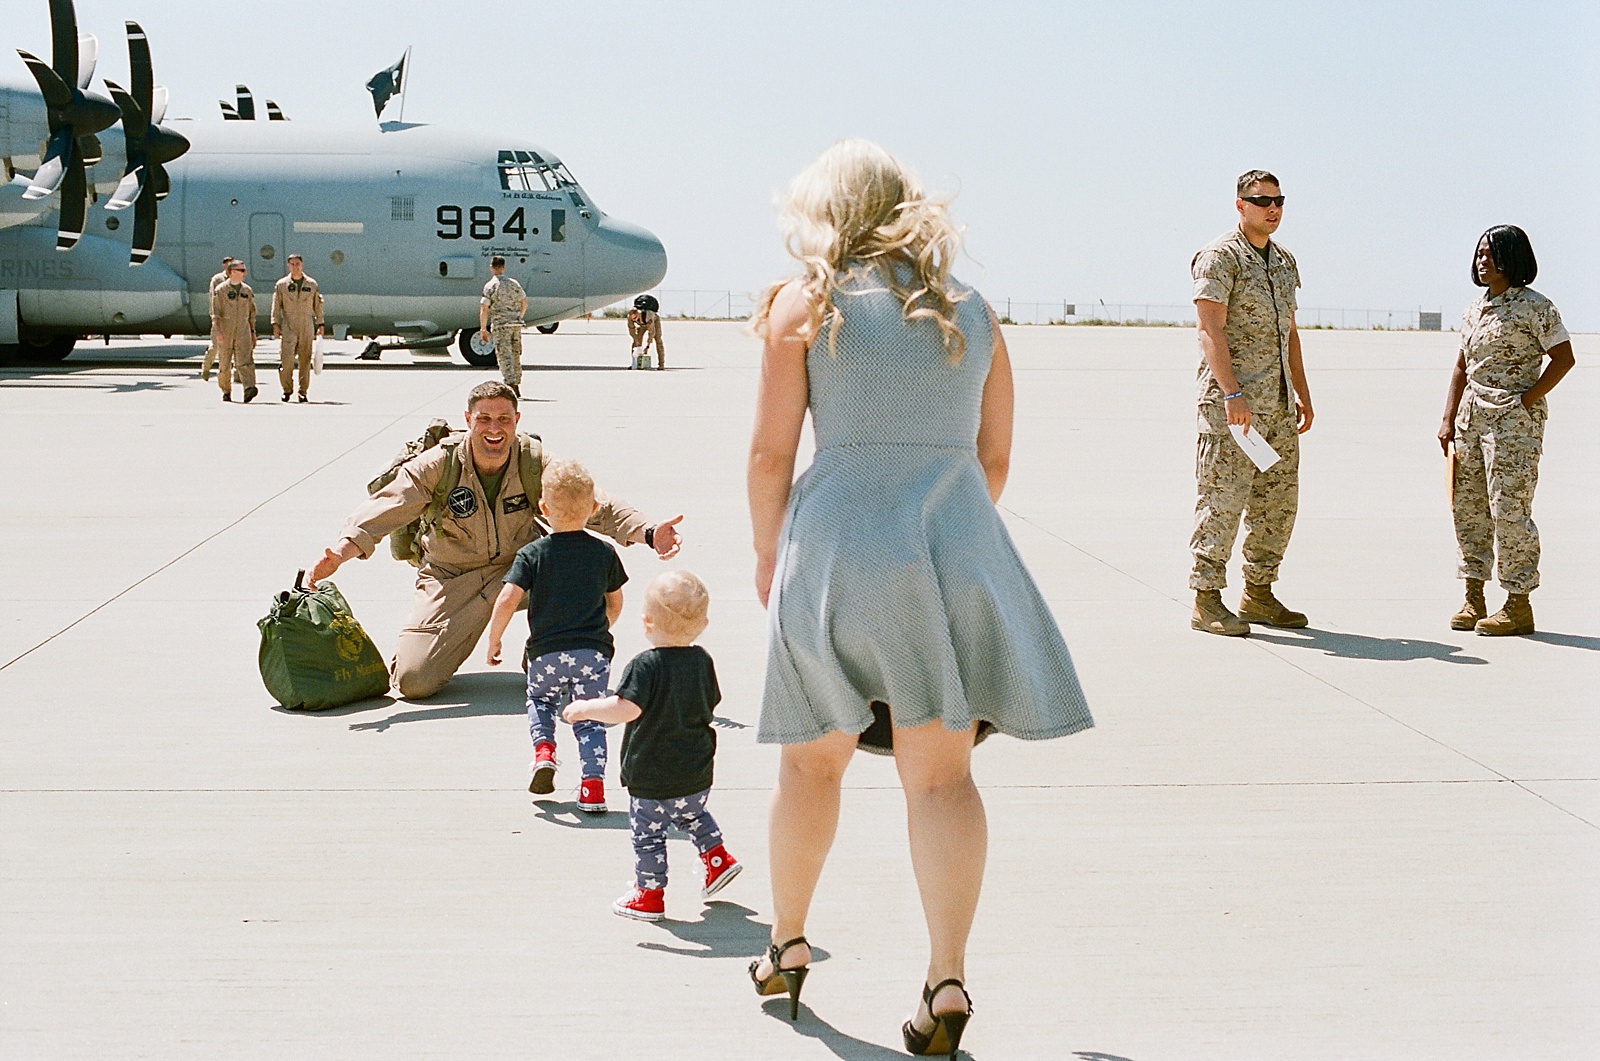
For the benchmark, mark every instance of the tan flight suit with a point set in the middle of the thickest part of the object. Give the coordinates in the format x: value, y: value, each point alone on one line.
x: 1261, y: 304
x: 211, y: 351
x: 504, y: 297
x: 465, y: 557
x: 297, y: 313
x: 233, y: 329
x: 1499, y: 440
x: 643, y: 327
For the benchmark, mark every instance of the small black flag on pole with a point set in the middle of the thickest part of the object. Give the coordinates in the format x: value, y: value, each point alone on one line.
x: 386, y: 84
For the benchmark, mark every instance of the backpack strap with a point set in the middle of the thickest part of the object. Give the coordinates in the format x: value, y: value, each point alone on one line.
x: 449, y: 479
x: 531, y: 451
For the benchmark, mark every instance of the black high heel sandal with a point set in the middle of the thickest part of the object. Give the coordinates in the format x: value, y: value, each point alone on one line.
x: 947, y: 1028
x: 782, y: 979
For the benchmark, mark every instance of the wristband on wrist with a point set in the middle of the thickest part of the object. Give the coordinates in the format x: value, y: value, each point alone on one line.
x: 1231, y: 397
x: 650, y: 536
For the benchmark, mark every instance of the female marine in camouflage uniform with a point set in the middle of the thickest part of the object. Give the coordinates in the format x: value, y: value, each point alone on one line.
x: 1494, y: 421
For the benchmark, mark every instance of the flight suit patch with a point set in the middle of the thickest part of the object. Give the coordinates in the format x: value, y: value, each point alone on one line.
x: 516, y: 504
x: 462, y: 501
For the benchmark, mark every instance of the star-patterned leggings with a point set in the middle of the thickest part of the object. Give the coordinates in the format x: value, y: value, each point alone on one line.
x: 555, y: 679
x: 650, y: 818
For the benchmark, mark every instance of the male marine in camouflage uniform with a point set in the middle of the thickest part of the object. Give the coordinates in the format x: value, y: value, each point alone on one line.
x: 297, y: 322
x: 489, y: 515
x: 1494, y: 418
x: 1250, y: 375
x: 218, y: 279
x: 501, y: 311
x: 233, y: 329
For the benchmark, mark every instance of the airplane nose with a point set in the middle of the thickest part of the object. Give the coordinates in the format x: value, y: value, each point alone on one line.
x: 624, y: 259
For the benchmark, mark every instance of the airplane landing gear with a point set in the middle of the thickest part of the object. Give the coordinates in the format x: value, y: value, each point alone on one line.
x: 45, y: 349
x: 371, y: 352
x: 478, y: 353
x: 548, y: 329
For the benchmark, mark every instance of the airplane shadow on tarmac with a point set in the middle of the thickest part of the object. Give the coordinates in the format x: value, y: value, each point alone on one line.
x: 1360, y: 646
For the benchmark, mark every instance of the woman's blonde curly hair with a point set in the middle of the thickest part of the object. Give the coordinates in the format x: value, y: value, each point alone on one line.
x: 857, y: 203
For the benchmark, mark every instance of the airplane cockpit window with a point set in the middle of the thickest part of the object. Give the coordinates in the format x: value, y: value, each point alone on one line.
x: 526, y: 171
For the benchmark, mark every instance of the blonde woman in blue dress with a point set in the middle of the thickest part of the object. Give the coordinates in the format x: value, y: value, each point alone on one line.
x: 900, y: 617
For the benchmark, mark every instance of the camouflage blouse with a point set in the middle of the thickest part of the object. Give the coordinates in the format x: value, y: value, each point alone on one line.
x: 1503, y: 341
x: 1261, y: 304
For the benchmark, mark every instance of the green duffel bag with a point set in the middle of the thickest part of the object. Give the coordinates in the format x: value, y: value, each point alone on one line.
x: 314, y: 655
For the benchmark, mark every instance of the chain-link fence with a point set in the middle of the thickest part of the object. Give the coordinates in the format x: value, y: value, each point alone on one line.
x: 712, y: 304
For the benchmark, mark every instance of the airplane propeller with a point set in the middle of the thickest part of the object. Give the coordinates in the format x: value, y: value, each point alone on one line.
x: 75, y: 116
x: 150, y: 146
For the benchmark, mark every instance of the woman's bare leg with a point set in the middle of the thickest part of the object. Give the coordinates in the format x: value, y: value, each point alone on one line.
x: 802, y: 823
x: 949, y: 843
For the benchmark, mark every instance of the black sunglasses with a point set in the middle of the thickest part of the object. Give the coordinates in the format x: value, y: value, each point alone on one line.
x: 1264, y: 200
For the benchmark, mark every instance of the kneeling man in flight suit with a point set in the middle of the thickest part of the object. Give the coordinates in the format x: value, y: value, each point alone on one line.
x: 465, y: 555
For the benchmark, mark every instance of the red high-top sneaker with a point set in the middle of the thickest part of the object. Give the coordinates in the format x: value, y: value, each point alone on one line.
x: 544, y: 769
x: 592, y: 795
x: 721, y: 868
x: 642, y: 904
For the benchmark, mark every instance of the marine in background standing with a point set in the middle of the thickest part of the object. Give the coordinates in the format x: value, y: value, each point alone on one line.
x: 219, y: 278
x: 233, y: 329
x: 1251, y: 376
x: 1493, y: 428
x: 297, y: 322
x: 500, y: 316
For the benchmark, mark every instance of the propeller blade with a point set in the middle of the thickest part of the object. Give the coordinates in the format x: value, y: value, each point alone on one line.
x: 139, y: 66
x: 229, y: 114
x: 160, y: 183
x: 247, y: 103
x: 74, y: 204
x: 57, y: 96
x: 275, y: 113
x: 134, y: 119
x: 144, y: 231
x: 88, y: 56
x: 64, y: 40
x: 47, y: 178
x: 89, y: 150
x: 128, y: 188
x: 158, y: 104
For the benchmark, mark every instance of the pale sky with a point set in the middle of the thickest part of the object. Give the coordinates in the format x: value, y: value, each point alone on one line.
x: 1092, y: 148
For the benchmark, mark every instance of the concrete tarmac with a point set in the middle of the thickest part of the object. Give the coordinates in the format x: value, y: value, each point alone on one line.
x: 1373, y: 838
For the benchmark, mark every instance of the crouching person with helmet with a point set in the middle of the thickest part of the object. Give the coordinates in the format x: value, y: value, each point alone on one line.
x: 644, y: 328
x: 477, y: 499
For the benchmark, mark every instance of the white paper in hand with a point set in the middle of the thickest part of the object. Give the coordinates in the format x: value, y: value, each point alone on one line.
x: 1262, y: 455
x: 316, y: 355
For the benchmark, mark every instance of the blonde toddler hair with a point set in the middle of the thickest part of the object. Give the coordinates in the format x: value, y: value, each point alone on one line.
x: 567, y: 488
x: 856, y: 202
x: 677, y: 602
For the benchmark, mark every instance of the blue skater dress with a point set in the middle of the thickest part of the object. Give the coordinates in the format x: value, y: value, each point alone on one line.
x: 896, y: 581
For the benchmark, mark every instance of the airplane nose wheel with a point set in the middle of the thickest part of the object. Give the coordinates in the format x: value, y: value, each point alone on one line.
x: 478, y: 353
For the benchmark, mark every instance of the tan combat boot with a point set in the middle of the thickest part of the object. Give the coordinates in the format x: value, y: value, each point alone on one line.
x: 1473, y: 610
x: 1515, y: 618
x: 1212, y: 616
x: 1258, y: 605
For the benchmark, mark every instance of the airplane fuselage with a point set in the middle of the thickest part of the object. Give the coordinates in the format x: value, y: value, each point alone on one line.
x: 396, y: 223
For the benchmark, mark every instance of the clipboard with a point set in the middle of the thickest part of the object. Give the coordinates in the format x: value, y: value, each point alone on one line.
x: 1451, y: 462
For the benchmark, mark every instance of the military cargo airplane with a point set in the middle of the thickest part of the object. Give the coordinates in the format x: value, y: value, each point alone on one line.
x: 398, y: 222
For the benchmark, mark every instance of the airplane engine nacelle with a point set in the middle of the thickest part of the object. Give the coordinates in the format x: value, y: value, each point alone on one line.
x: 88, y: 289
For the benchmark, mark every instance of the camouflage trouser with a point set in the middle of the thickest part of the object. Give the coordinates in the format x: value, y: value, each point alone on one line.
x: 508, y: 351
x: 1229, y: 485
x: 1497, y: 468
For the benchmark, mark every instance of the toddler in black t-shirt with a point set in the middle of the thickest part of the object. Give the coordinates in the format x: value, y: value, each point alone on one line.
x: 666, y: 696
x: 573, y: 582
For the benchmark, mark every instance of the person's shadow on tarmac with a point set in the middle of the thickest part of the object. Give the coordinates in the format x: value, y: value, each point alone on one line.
x: 1360, y: 646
